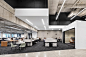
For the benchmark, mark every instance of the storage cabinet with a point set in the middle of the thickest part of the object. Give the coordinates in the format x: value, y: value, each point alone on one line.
x: 4, y: 43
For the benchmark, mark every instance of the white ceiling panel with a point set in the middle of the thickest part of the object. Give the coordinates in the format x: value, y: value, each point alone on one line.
x: 37, y: 21
x: 31, y: 12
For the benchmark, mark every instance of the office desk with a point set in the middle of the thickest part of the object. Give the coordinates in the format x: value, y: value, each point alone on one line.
x: 50, y: 42
x: 18, y: 43
x: 12, y: 40
x: 28, y: 42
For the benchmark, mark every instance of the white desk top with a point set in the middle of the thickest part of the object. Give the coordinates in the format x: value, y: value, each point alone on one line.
x: 50, y: 40
x: 27, y: 40
x: 20, y: 42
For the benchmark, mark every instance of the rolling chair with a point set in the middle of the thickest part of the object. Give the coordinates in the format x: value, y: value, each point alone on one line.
x: 23, y: 45
x: 13, y: 46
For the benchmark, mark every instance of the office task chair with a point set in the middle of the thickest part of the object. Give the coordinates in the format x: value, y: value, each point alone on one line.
x: 23, y: 45
x: 13, y: 46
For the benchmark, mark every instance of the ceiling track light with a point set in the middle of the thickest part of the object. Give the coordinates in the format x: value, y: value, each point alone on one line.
x: 59, y: 29
x: 43, y: 21
x: 47, y: 21
x: 60, y: 9
x: 78, y: 13
x: 29, y: 22
x: 85, y: 18
x: 36, y: 27
x: 52, y: 27
x: 45, y: 27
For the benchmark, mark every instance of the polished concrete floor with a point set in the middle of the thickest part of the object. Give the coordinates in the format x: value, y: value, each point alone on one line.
x: 56, y: 53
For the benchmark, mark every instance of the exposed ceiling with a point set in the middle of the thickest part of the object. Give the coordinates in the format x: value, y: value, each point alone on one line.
x: 70, y: 8
x: 28, y: 3
x: 75, y: 8
x: 52, y: 5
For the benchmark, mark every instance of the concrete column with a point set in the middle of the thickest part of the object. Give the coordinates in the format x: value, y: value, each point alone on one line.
x: 1, y: 34
x: 26, y: 35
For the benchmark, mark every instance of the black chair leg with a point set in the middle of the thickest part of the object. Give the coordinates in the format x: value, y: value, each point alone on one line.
x: 20, y: 48
x: 11, y: 48
x: 24, y: 48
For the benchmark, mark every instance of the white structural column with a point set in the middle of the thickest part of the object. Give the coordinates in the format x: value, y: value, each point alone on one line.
x: 26, y: 35
x: 80, y: 33
x: 1, y: 34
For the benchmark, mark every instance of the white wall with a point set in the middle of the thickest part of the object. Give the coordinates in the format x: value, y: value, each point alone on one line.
x: 70, y: 26
x: 49, y: 34
x: 80, y: 33
x: 34, y: 35
x: 26, y: 35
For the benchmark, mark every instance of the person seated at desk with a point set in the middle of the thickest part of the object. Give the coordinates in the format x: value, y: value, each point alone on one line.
x: 39, y: 39
x: 11, y: 39
x: 72, y: 40
x: 21, y: 40
x: 59, y: 39
x: 16, y: 39
x: 26, y: 38
x: 56, y: 38
x: 44, y: 39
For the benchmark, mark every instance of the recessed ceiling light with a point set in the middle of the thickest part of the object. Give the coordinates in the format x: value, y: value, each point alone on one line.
x: 78, y: 13
x: 29, y: 21
x: 79, y: 21
x: 43, y: 22
x: 71, y: 15
x: 36, y: 27
x: 56, y: 26
x: 45, y: 27
x: 85, y: 18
